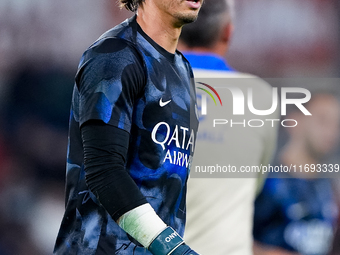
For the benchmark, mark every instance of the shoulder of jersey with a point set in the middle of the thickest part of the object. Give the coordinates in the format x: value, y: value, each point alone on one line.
x: 204, y: 73
x: 250, y: 81
x: 114, y: 39
x: 215, y: 74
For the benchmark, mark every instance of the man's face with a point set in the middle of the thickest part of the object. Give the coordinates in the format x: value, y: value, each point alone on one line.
x: 321, y: 130
x: 181, y: 11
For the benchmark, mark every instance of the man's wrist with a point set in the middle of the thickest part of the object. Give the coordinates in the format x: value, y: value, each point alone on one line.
x: 142, y: 223
x: 145, y: 226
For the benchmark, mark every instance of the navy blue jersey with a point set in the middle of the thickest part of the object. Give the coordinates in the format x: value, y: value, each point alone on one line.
x: 298, y: 215
x: 128, y: 81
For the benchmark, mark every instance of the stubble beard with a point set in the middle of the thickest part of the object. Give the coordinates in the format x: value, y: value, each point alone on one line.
x: 185, y: 18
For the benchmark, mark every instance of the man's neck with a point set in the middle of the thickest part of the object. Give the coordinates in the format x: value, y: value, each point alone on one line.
x: 296, y: 155
x: 159, y: 28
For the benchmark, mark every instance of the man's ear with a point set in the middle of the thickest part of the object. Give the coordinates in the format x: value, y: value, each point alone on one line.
x: 227, y: 32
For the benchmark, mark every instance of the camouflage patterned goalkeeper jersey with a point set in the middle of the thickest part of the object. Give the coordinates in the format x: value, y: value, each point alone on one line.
x: 128, y: 81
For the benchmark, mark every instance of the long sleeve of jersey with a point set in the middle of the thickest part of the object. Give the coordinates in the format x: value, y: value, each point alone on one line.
x: 105, y: 152
x: 110, y: 80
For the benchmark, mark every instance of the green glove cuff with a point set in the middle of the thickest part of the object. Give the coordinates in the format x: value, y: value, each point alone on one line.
x: 165, y: 242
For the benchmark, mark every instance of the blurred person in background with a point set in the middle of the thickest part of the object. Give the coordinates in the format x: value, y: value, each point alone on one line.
x: 296, y: 212
x: 36, y: 83
x: 220, y: 210
x: 124, y: 193
x: 35, y: 124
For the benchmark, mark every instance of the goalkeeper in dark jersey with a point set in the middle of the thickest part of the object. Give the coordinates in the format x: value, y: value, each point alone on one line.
x: 132, y: 135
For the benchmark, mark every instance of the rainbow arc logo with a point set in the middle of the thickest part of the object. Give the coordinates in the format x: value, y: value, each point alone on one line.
x: 204, y: 98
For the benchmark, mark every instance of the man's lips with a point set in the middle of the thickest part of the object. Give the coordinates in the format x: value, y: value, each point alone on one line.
x: 195, y: 4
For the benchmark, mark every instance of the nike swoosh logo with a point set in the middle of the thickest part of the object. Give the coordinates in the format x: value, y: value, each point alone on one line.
x: 162, y: 104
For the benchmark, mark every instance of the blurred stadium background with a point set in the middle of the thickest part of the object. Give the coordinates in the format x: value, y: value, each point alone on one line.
x: 41, y: 42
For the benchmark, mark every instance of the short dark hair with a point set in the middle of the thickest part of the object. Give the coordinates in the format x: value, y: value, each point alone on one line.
x: 205, y: 30
x: 131, y: 5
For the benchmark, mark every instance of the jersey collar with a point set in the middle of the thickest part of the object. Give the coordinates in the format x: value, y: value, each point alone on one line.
x: 207, y: 61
